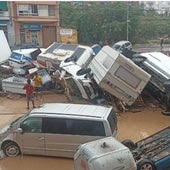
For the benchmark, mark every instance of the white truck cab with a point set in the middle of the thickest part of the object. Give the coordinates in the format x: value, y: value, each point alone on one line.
x: 58, y: 52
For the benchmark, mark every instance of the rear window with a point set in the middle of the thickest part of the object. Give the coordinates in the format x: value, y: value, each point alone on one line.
x: 112, y: 119
x: 73, y: 127
x: 127, y: 44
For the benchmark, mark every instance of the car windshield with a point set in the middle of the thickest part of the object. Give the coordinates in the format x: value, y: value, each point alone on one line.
x: 16, y: 56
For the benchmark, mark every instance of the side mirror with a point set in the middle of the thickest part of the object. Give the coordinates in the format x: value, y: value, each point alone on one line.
x: 19, y: 130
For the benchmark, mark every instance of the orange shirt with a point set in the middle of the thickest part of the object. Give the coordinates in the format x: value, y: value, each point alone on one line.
x: 37, y: 81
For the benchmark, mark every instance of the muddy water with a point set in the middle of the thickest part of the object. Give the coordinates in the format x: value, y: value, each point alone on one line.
x: 36, y: 163
x: 133, y: 125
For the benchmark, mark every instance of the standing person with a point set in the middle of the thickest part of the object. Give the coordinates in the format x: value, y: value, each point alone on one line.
x: 37, y: 83
x: 29, y: 93
x: 161, y: 42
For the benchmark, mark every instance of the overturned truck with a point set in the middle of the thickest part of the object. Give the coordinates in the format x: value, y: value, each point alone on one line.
x: 111, y: 72
x: 157, y: 65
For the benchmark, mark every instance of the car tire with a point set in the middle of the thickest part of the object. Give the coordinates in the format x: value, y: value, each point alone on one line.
x: 83, y: 71
x: 137, y: 59
x: 166, y: 113
x: 129, y: 143
x: 69, y: 59
x: 11, y: 149
x: 146, y: 164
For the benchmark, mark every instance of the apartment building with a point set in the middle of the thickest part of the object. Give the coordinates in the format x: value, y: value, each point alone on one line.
x: 162, y: 7
x: 34, y: 21
x: 5, y: 22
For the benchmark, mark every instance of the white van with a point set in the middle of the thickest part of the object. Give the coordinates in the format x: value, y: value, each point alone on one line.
x: 21, y: 60
x: 104, y: 154
x: 57, y: 129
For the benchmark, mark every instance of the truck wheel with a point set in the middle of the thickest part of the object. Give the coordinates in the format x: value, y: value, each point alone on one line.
x: 146, y: 165
x: 11, y: 149
x: 137, y: 59
x: 129, y: 143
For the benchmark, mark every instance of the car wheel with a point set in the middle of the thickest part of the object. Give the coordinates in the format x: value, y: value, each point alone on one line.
x: 146, y: 165
x: 130, y: 144
x: 11, y: 149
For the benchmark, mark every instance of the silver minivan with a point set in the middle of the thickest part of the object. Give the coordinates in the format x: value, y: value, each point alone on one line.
x: 57, y: 129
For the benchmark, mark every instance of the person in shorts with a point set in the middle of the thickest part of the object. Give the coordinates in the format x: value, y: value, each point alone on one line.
x: 29, y: 93
x: 37, y: 84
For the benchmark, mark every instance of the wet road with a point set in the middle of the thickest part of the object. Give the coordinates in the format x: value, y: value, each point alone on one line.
x: 133, y: 125
x: 151, y: 48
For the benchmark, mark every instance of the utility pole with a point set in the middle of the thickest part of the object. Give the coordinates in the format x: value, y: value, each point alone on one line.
x: 127, y: 23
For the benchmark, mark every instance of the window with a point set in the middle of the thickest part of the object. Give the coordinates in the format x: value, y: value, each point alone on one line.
x: 16, y: 56
x: 108, y: 61
x: 74, y: 88
x: 32, y: 125
x: 127, y: 77
x: 88, y: 91
x: 112, y: 119
x: 73, y: 127
x: 89, y: 128
x: 54, y: 125
x: 23, y: 10
x: 27, y: 10
x: 51, y: 10
x: 34, y: 10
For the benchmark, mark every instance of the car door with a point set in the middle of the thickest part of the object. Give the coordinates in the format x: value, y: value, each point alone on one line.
x: 63, y: 136
x: 31, y: 140
x: 57, y: 141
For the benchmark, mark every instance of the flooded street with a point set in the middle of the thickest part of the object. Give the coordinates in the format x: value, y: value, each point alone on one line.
x: 132, y: 125
x: 36, y: 163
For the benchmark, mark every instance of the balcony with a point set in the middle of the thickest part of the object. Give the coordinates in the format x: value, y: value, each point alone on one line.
x: 4, y: 15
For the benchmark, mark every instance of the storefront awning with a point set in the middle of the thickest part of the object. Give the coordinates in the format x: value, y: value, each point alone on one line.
x: 3, y: 23
x: 3, y: 6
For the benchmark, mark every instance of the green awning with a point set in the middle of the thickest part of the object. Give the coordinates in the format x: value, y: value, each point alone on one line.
x: 3, y: 6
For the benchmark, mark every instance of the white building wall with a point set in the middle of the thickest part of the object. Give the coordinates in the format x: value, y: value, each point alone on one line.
x: 160, y: 6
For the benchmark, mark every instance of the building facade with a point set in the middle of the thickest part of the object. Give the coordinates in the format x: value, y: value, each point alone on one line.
x: 5, y: 22
x: 161, y: 7
x: 35, y: 22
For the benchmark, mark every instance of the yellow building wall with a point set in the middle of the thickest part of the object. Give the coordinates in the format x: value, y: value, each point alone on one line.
x: 68, y: 35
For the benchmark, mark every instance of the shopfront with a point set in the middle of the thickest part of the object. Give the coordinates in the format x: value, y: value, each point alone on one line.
x: 30, y: 33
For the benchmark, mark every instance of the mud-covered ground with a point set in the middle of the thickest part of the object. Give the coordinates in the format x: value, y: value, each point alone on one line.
x: 134, y: 124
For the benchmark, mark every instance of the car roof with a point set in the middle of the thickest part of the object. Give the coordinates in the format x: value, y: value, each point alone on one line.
x: 80, y: 110
x: 27, y: 51
x: 158, y: 61
x: 122, y: 42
